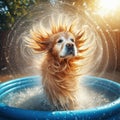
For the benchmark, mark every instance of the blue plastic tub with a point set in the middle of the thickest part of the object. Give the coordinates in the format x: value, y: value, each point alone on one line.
x: 109, y: 111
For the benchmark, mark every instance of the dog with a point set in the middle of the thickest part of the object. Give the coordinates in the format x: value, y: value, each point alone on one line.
x: 60, y: 68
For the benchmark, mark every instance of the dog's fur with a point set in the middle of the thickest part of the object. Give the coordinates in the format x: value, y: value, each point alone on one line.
x: 60, y: 68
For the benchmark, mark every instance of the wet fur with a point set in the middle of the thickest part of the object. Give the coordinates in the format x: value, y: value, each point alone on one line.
x: 60, y: 76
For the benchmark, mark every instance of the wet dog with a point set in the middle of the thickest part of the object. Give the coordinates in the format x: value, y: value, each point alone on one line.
x: 60, y: 68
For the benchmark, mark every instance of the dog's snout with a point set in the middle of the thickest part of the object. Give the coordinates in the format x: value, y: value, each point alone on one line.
x: 70, y: 49
x: 69, y: 45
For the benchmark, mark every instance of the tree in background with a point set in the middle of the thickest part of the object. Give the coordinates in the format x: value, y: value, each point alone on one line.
x: 11, y: 10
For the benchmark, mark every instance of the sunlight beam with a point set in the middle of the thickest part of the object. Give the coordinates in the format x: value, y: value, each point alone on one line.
x: 107, y: 6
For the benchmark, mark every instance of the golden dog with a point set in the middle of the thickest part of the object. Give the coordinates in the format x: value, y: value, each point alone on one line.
x: 60, y: 68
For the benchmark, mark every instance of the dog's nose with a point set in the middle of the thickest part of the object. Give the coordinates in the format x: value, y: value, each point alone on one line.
x: 69, y: 45
x: 70, y: 49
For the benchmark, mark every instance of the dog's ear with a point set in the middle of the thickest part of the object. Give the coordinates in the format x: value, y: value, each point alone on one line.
x: 80, y: 39
x: 42, y: 46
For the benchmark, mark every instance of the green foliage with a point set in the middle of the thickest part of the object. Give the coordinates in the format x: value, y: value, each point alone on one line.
x: 11, y: 10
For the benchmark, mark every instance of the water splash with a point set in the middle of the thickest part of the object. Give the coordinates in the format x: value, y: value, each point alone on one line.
x: 34, y: 99
x: 22, y: 60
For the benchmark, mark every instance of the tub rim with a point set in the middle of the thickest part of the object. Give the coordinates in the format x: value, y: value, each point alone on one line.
x: 110, y: 108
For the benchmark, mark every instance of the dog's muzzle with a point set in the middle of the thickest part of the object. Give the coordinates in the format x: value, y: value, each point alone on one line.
x: 70, y: 49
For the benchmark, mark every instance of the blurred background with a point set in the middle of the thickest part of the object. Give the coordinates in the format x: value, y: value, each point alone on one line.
x: 105, y: 12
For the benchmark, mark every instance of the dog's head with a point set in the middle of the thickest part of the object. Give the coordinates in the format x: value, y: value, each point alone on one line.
x: 63, y: 45
x: 61, y: 40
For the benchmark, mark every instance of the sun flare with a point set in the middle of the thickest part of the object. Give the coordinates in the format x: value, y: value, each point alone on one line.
x: 107, y: 6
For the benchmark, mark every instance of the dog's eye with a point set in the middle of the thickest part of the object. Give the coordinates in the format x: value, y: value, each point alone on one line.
x: 72, y: 40
x: 60, y: 41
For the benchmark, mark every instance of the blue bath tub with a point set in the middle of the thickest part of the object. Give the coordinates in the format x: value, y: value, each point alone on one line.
x: 110, y: 111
